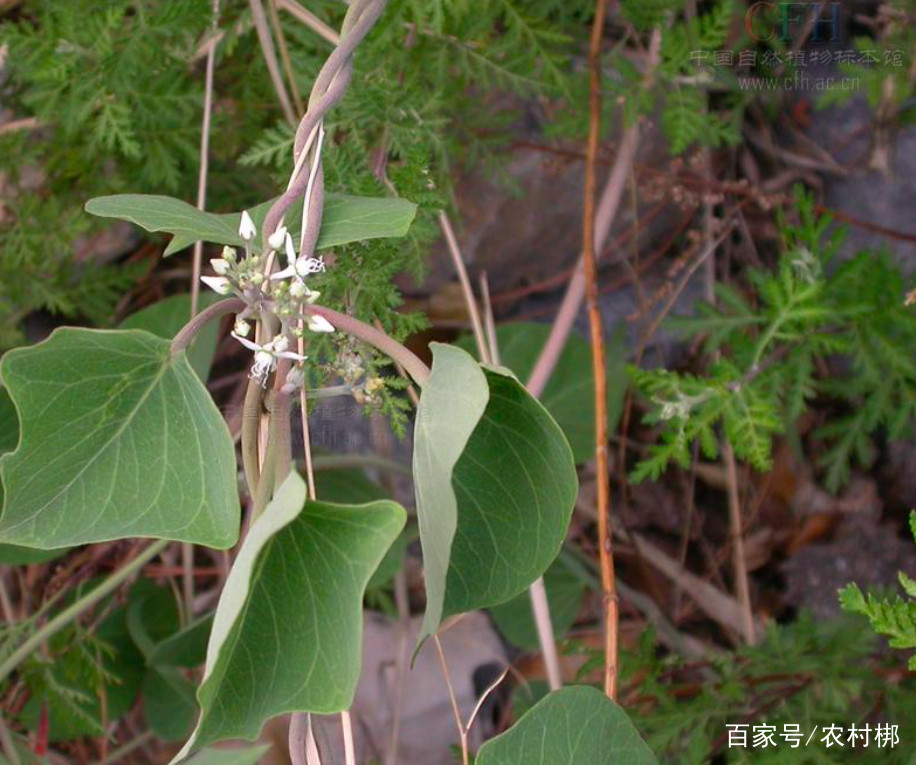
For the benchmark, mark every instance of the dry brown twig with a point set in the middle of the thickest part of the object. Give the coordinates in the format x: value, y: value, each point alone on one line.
x: 596, y: 325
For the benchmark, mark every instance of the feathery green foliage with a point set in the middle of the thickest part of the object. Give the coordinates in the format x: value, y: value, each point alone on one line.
x: 895, y: 617
x: 809, y: 311
x: 809, y: 673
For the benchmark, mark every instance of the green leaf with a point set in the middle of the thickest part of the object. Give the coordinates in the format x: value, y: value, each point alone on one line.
x: 294, y: 596
x: 235, y: 756
x: 169, y: 703
x: 495, y: 484
x: 14, y: 555
x: 9, y: 423
x: 346, y: 219
x: 186, y: 648
x: 168, y: 696
x: 569, y: 395
x: 565, y: 591
x: 577, y: 725
x: 119, y: 439
x: 167, y: 317
x: 345, y: 486
x: 152, y: 616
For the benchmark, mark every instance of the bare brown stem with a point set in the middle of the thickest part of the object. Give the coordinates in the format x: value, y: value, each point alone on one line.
x: 469, y: 300
x: 596, y: 325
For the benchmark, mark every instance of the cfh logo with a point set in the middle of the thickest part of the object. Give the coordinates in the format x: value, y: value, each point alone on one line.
x: 791, y: 18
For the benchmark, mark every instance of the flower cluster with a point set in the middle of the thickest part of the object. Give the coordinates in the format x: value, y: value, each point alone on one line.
x: 282, y: 294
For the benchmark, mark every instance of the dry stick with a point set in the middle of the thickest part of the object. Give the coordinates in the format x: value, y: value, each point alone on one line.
x: 402, y: 602
x: 466, y: 289
x: 462, y: 733
x: 604, y: 217
x: 204, y: 161
x: 284, y: 56
x: 736, y: 523
x: 742, y: 584
x: 310, y: 20
x: 187, y: 549
x: 562, y: 326
x: 596, y: 325
x: 489, y: 322
x: 270, y: 58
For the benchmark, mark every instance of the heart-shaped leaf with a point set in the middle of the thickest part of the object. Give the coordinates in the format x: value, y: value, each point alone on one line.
x: 577, y: 725
x: 495, y: 484
x: 570, y: 393
x: 287, y: 635
x: 119, y: 439
x: 345, y: 219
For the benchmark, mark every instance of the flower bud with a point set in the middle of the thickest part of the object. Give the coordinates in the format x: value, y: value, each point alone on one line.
x: 247, y: 229
x: 220, y: 265
x: 320, y: 324
x: 242, y: 328
x: 277, y: 238
x: 280, y: 343
x: 218, y: 284
x: 298, y: 289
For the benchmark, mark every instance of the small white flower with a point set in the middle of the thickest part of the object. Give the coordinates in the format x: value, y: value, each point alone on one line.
x: 277, y: 238
x: 220, y: 265
x: 320, y: 324
x: 267, y: 355
x: 218, y: 284
x: 298, y: 266
x: 247, y: 229
x: 242, y: 328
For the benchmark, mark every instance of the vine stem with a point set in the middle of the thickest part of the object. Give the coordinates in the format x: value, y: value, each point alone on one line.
x: 596, y: 325
x: 189, y: 331
x: 72, y: 612
x: 377, y: 338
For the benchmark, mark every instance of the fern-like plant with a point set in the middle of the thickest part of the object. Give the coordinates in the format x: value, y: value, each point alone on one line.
x: 810, y: 311
x: 894, y: 617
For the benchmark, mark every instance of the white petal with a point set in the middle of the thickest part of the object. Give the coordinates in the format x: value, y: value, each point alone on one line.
x: 276, y: 239
x: 218, y: 284
x: 290, y: 250
x: 284, y: 274
x: 246, y: 227
x: 247, y: 343
x: 320, y: 324
x: 289, y: 355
